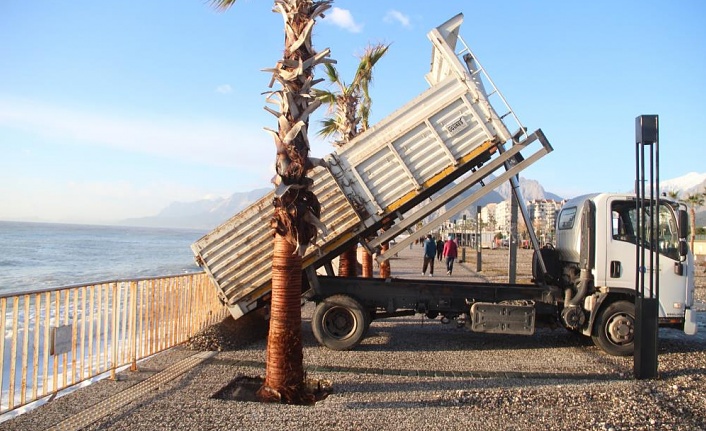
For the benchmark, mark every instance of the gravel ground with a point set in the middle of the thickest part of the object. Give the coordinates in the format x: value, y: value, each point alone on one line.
x: 413, y: 373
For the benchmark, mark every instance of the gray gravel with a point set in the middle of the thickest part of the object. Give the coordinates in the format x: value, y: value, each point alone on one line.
x: 413, y: 373
x: 552, y: 380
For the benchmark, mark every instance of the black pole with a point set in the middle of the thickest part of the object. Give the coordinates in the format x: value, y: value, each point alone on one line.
x: 479, y: 261
x: 647, y: 206
x: 512, y: 242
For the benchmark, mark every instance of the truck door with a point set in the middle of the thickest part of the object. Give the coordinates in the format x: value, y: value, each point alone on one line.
x: 620, y: 246
x: 621, y: 254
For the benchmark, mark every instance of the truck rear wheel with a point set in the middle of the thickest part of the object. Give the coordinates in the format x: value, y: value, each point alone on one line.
x: 614, y: 331
x: 340, y: 322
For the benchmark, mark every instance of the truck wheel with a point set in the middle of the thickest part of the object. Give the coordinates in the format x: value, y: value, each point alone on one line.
x: 614, y: 330
x: 340, y: 322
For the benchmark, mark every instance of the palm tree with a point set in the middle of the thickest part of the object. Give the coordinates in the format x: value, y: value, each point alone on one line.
x: 296, y: 207
x: 350, y: 105
x: 694, y: 200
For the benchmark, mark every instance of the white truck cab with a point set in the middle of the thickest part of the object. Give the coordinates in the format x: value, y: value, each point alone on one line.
x: 595, y: 260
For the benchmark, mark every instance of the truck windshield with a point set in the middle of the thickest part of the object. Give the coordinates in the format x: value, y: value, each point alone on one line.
x: 666, y: 236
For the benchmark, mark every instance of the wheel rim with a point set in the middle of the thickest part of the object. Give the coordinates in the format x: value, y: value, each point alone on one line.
x: 339, y: 323
x: 620, y: 329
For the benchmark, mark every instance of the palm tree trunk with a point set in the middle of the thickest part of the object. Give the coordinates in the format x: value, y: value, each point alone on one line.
x: 284, y: 377
x: 366, y: 260
x: 348, y: 262
x: 294, y: 203
x: 692, y: 227
x: 385, y: 266
x: 284, y: 372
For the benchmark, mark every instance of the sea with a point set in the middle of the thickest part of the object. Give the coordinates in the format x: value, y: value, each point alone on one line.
x: 48, y: 255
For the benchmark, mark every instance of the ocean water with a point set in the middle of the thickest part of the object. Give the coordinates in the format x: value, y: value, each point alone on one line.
x: 47, y: 255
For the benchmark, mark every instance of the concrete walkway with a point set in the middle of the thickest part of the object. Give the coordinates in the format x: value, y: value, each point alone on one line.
x: 409, y: 262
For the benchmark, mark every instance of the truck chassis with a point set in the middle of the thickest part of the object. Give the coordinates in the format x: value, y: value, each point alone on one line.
x: 346, y: 306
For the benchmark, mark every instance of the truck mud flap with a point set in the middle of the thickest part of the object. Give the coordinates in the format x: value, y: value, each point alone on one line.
x: 502, y: 318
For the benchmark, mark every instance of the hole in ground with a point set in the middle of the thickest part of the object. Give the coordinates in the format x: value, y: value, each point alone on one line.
x: 244, y: 388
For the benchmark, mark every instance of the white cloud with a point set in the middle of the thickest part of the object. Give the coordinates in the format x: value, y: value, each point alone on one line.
x: 397, y: 16
x: 216, y: 143
x: 224, y: 89
x: 95, y: 201
x: 244, y: 150
x: 344, y: 19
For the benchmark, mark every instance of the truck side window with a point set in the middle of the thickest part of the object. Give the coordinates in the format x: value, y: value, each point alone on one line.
x: 566, y: 218
x: 624, y: 220
x: 623, y: 228
x: 668, y: 235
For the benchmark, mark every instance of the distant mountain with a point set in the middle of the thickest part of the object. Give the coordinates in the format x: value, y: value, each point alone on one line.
x: 685, y: 185
x: 531, y: 190
x: 209, y: 213
x: 202, y: 214
x: 491, y: 197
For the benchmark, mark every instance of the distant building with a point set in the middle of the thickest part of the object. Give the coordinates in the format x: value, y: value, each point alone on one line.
x: 487, y: 216
x: 542, y: 213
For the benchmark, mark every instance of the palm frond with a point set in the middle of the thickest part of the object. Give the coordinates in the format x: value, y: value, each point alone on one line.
x: 364, y: 73
x: 331, y: 73
x: 327, y: 97
x: 364, y: 114
x: 695, y: 199
x: 351, y: 104
x: 329, y: 127
x: 222, y: 4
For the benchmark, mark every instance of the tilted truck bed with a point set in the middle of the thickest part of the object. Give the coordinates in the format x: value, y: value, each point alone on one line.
x: 446, y: 131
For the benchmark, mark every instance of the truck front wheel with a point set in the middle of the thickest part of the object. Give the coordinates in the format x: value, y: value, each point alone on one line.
x: 614, y: 331
x: 340, y: 322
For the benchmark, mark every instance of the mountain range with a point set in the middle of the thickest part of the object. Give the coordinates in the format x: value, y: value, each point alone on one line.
x: 206, y: 214
x: 202, y: 214
x: 686, y: 185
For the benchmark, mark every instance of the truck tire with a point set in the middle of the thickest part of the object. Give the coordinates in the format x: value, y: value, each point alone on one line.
x: 614, y: 330
x: 340, y: 322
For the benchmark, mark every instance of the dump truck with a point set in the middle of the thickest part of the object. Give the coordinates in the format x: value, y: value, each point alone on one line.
x: 410, y: 167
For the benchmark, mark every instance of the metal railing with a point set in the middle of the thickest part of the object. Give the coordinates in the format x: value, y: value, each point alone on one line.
x: 54, y: 339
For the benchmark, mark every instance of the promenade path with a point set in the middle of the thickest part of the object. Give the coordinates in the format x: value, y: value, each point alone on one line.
x: 409, y: 262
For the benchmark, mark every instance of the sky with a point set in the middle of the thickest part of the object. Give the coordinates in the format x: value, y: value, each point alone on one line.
x: 113, y: 109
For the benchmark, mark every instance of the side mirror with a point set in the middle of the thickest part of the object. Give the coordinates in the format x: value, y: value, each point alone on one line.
x: 683, y: 232
x: 683, y: 249
x: 683, y: 224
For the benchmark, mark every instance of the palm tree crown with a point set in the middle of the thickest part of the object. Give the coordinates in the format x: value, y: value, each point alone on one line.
x: 693, y: 200
x: 350, y: 103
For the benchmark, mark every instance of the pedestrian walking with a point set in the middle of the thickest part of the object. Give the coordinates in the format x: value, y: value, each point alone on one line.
x: 429, y: 256
x: 439, y: 249
x: 450, y: 253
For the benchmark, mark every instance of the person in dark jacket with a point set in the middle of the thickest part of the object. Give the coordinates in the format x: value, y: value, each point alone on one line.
x: 429, y: 255
x: 450, y: 253
x: 439, y: 249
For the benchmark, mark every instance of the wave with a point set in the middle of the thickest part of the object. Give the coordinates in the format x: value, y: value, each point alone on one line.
x: 37, y: 255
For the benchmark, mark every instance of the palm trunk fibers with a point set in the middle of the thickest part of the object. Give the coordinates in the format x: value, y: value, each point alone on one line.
x: 284, y: 374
